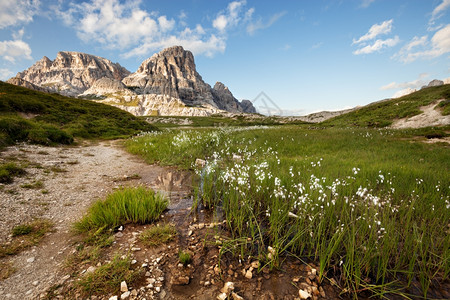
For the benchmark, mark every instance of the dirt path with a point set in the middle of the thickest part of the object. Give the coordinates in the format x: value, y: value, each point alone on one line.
x: 430, y: 116
x: 72, y: 178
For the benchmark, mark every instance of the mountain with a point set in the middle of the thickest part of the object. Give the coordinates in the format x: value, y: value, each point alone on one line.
x: 165, y: 84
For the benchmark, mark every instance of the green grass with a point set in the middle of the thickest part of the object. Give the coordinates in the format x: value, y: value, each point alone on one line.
x: 217, y: 121
x: 26, y: 236
x: 383, y: 113
x: 158, y: 235
x: 107, y: 278
x: 361, y: 203
x: 127, y: 205
x: 34, y: 185
x: 184, y: 257
x: 10, y: 170
x: 55, y: 119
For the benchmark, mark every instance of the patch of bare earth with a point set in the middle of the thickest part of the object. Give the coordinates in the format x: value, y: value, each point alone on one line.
x: 431, y: 116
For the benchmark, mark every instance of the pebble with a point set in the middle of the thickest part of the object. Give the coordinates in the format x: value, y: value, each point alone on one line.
x: 228, y: 287
x: 35, y: 283
x: 304, y: 294
x: 30, y: 260
x: 248, y: 274
x: 222, y: 296
x: 123, y: 287
x: 125, y: 295
x: 113, y: 298
x: 236, y: 296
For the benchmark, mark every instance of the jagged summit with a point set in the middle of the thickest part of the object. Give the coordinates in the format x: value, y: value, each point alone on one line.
x: 71, y: 73
x: 167, y: 83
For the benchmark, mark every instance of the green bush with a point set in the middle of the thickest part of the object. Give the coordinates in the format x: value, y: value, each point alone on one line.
x: 8, y: 171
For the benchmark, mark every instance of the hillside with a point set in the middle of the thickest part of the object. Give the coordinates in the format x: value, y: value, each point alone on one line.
x: 42, y: 118
x: 385, y: 113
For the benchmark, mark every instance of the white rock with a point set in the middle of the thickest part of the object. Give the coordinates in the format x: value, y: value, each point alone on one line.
x: 248, y: 274
x: 125, y: 295
x: 236, y: 296
x: 113, y: 298
x: 304, y: 294
x: 228, y: 287
x: 123, y: 287
x: 91, y: 269
x: 222, y: 296
x: 30, y: 260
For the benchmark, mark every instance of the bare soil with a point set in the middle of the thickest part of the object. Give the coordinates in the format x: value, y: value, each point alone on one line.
x: 431, y: 116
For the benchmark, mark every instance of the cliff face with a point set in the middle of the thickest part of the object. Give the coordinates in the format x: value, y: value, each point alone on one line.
x: 165, y: 84
x: 71, y: 73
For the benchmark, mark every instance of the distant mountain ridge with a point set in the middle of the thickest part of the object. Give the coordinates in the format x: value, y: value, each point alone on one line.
x: 165, y: 84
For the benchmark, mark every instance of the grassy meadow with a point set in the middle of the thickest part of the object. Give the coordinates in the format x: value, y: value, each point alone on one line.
x: 42, y: 118
x: 370, y: 206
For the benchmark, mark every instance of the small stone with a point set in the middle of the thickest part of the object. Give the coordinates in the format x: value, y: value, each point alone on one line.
x: 236, y: 296
x: 147, y: 274
x: 201, y: 225
x: 222, y: 296
x: 123, y: 287
x: 308, y: 281
x: 120, y: 228
x: 35, y: 283
x: 91, y: 269
x: 230, y: 272
x: 322, y: 292
x: 314, y: 272
x: 190, y: 233
x: 113, y: 298
x: 304, y: 294
x: 119, y: 234
x: 125, y: 295
x: 135, y: 249
x: 180, y: 265
x: 133, y: 261
x: 144, y: 265
x: 228, y: 287
x: 30, y: 260
x: 207, y: 283
x: 158, y: 289
x: 248, y: 274
x: 134, y: 293
x: 256, y: 264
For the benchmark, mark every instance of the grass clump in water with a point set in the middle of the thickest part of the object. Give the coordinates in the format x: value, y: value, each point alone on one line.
x: 158, y: 235
x: 127, y: 205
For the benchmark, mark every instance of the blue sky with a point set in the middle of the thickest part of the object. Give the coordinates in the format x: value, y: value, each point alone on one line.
x: 306, y: 55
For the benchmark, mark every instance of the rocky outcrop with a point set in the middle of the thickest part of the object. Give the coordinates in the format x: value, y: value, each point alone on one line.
x: 435, y: 82
x: 225, y: 99
x: 165, y: 84
x: 171, y: 73
x: 248, y: 107
x: 71, y: 73
x: 27, y: 84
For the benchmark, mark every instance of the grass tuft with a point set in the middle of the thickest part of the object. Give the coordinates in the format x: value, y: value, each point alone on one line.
x: 107, y: 278
x: 127, y: 205
x: 26, y: 236
x: 184, y: 257
x: 158, y: 235
x: 10, y: 170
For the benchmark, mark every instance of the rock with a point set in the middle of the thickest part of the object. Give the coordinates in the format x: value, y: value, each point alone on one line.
x: 35, y: 283
x: 435, y: 82
x: 91, y: 269
x: 304, y: 294
x: 228, y: 287
x: 125, y: 295
x: 165, y: 84
x: 123, y: 287
x: 256, y: 264
x: 181, y: 280
x: 248, y: 274
x: 222, y: 296
x: 322, y: 292
x: 71, y: 73
x: 113, y: 298
x: 30, y: 260
x: 236, y: 296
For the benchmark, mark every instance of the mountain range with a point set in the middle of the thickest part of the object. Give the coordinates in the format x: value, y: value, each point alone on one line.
x: 165, y: 84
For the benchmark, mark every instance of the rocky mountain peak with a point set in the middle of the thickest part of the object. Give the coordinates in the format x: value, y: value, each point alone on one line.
x: 167, y: 83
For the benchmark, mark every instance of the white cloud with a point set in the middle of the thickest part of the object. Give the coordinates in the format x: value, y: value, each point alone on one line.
x: 377, y: 46
x: 437, y: 46
x: 15, y: 12
x: 439, y: 10
x: 231, y: 16
x: 375, y: 30
x: 12, y: 50
x: 5, y: 74
x: 406, y: 87
x: 366, y: 3
x: 123, y: 25
x: 259, y: 24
